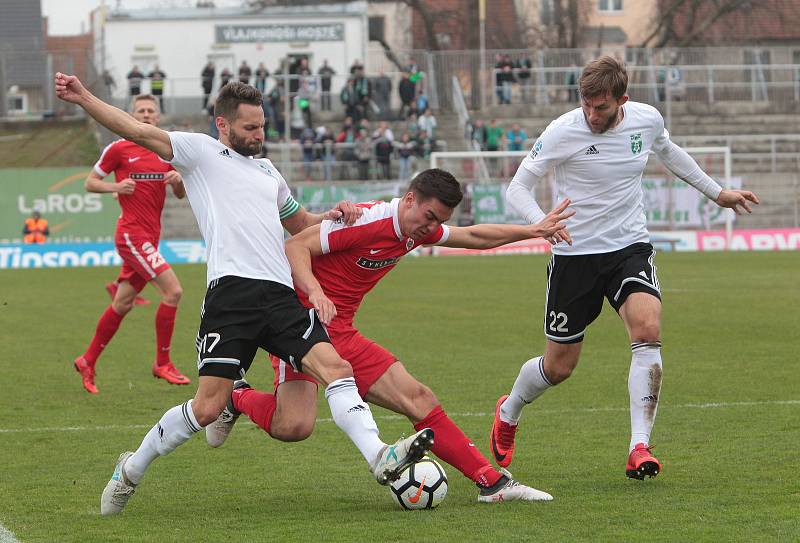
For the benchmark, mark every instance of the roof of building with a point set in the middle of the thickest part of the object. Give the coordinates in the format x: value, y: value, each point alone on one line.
x: 316, y: 11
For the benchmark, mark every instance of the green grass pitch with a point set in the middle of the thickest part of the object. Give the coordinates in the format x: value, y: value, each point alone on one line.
x: 727, y: 432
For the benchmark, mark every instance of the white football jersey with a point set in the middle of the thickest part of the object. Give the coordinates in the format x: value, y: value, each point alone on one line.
x: 238, y: 203
x: 601, y: 174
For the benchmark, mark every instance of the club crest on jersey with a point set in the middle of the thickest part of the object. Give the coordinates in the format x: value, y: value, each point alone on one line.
x: 536, y: 148
x: 409, y: 244
x: 636, y: 143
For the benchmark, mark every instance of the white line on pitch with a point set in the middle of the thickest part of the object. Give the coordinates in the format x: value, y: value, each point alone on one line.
x: 6, y: 536
x: 712, y: 405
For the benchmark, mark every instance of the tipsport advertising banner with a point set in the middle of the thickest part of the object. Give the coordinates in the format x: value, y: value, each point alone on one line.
x: 73, y: 214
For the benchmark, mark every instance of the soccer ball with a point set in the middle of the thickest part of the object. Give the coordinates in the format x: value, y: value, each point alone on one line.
x: 421, y: 486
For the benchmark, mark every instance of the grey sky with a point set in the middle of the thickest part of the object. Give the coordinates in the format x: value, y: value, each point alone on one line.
x: 66, y: 17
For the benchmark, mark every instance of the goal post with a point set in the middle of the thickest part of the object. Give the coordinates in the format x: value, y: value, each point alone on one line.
x: 670, y: 204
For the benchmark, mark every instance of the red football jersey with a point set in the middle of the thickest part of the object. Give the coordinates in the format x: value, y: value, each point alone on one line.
x: 141, y: 211
x: 356, y: 257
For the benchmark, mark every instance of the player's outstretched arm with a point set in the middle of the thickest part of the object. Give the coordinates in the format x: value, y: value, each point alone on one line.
x: 734, y: 199
x: 70, y: 89
x: 344, y: 210
x: 299, y: 250
x: 487, y: 236
x: 95, y: 183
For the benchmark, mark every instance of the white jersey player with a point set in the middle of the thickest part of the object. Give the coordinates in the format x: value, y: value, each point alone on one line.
x: 599, y: 152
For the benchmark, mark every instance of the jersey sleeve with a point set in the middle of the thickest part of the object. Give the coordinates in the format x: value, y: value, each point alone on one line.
x: 187, y: 148
x: 661, y: 139
x: 108, y: 160
x: 287, y: 205
x: 438, y: 236
x: 547, y: 152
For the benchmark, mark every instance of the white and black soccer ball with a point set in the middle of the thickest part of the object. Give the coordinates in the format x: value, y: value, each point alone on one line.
x: 421, y: 486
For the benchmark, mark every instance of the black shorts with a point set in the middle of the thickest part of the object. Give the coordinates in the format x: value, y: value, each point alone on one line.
x: 576, y: 286
x: 240, y: 315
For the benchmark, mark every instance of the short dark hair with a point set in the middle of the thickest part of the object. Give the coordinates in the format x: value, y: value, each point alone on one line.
x: 439, y: 184
x: 233, y: 94
x: 604, y: 75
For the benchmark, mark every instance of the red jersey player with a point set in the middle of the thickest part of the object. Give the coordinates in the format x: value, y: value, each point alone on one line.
x: 334, y: 266
x: 141, y: 180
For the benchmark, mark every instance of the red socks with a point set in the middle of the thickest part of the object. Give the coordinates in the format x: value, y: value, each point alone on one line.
x: 107, y: 326
x: 165, y: 324
x: 259, y: 406
x: 451, y: 445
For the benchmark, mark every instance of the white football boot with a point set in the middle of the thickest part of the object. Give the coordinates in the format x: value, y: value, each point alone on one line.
x: 509, y: 490
x: 118, y: 490
x: 219, y: 430
x: 393, y: 459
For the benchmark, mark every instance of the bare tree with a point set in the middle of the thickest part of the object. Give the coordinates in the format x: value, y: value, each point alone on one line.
x: 684, y: 23
x: 558, y: 23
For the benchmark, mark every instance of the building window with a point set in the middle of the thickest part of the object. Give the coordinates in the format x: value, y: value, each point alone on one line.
x: 16, y: 103
x: 376, y: 28
x: 609, y: 6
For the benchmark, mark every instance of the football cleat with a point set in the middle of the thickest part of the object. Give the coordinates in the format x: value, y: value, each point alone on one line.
x: 641, y: 463
x: 169, y: 373
x: 506, y: 489
x: 502, y: 437
x: 219, y: 430
x: 118, y: 490
x: 87, y: 374
x: 393, y: 459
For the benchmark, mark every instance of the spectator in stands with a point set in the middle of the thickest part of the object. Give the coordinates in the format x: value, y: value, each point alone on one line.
x: 346, y: 152
x: 304, y: 97
x: 422, y: 103
x: 494, y: 137
x: 383, y: 151
x: 213, y: 131
x: 325, y: 147
x: 207, y: 81
x: 383, y: 90
x: 506, y: 82
x: 307, y: 140
x: 36, y: 229
x: 245, y: 72
x: 383, y: 130
x: 275, y: 100
x: 135, y: 78
x: 325, y: 73
x: 363, y: 92
x: 428, y: 125
x: 573, y: 75
x: 225, y: 76
x: 516, y: 137
x: 412, y: 126
x: 261, y: 77
x: 406, y: 149
x: 157, y: 77
x: 349, y: 99
x: 408, y: 91
x: 523, y: 67
x: 363, y: 151
x: 108, y: 81
x: 479, y: 134
x: 356, y: 67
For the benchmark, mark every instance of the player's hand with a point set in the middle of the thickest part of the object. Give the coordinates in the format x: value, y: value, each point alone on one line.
x: 345, y: 211
x: 126, y: 186
x: 734, y: 199
x: 552, y: 226
x: 173, y: 178
x: 326, y: 309
x: 70, y: 89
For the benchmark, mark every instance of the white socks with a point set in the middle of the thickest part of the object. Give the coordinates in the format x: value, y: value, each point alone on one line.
x: 644, y: 387
x: 530, y: 384
x: 175, y: 428
x: 354, y: 417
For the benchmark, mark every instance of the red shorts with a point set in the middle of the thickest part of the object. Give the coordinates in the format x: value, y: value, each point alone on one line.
x: 141, y: 261
x: 369, y: 360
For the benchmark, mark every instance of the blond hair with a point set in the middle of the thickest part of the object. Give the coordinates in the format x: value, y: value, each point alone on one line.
x: 602, y: 76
